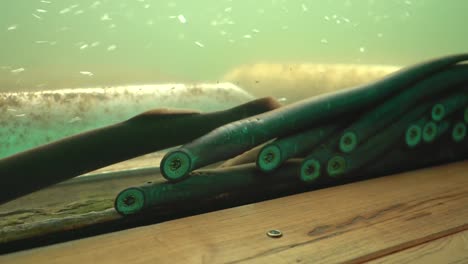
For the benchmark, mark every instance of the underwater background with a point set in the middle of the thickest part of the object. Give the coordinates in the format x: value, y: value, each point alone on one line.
x: 48, y: 44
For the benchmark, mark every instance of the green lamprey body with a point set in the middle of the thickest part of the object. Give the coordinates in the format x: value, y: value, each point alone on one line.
x: 148, y: 132
x: 459, y: 132
x: 465, y: 115
x: 399, y: 159
x: 408, y: 130
x: 272, y: 155
x: 447, y: 107
x: 375, y: 119
x: 429, y: 132
x: 206, y: 185
x: 237, y: 137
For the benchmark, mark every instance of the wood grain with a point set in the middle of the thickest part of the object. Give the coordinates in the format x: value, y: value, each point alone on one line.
x: 349, y: 223
x: 449, y: 249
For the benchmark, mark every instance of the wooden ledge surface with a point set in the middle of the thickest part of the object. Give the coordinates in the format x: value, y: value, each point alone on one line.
x: 384, y: 220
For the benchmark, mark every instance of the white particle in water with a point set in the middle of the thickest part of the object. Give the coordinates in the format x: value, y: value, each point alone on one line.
x: 36, y: 16
x: 86, y: 73
x: 247, y: 36
x: 64, y: 11
x: 327, y: 18
x: 105, y: 17
x: 199, y: 44
x: 146, y: 6
x: 74, y: 119
x: 12, y: 27
x: 95, y: 44
x: 362, y: 49
x: 67, y: 9
x: 324, y: 41
x: 95, y: 4
x: 255, y: 30
x: 78, y: 12
x: 84, y: 46
x: 18, y: 70
x: 182, y: 19
x: 45, y: 2
x: 222, y: 32
x: 304, y: 8
x: 379, y: 35
x: 228, y: 9
x: 111, y: 26
x: 20, y: 115
x: 41, y: 10
x: 111, y: 47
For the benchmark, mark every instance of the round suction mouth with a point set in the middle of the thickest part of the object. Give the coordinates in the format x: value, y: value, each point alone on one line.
x: 336, y: 166
x: 176, y: 165
x: 130, y: 201
x: 269, y: 158
x: 429, y: 132
x: 310, y: 170
x: 438, y: 112
x: 413, y: 135
x: 459, y: 132
x: 348, y: 142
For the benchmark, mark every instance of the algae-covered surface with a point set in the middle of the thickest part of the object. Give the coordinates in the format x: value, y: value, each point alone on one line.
x: 76, y: 203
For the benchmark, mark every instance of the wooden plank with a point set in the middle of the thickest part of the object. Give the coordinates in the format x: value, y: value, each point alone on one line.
x: 449, y: 249
x: 350, y: 223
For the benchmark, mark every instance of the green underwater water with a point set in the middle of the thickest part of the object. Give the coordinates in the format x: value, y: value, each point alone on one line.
x: 69, y: 43
x: 53, y: 44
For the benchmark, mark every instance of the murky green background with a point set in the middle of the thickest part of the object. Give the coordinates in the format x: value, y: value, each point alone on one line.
x: 71, y: 43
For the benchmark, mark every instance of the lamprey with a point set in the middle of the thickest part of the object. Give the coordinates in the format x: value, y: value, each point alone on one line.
x: 384, y: 114
x: 154, y: 130
x: 272, y: 155
x: 205, y: 185
x: 412, y: 119
x: 237, y: 137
